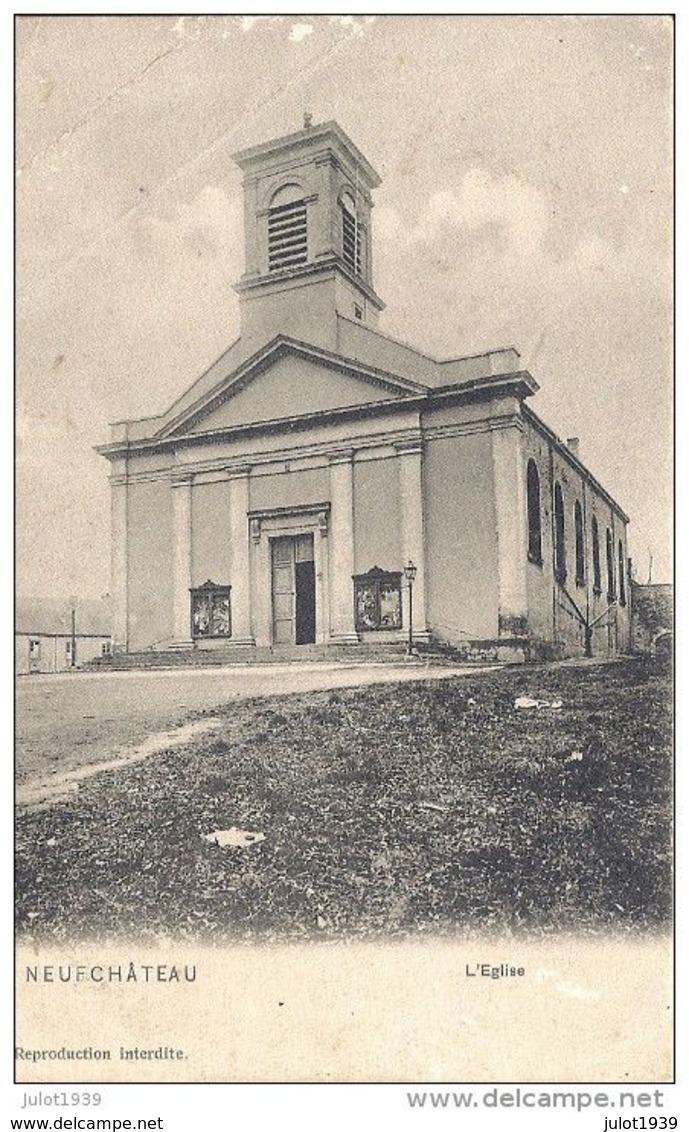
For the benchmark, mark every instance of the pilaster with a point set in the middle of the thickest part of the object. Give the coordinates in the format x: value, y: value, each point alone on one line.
x: 252, y: 252
x: 342, y: 548
x: 181, y: 513
x: 323, y: 233
x: 409, y: 454
x: 240, y: 568
x: 119, y: 564
x: 510, y: 513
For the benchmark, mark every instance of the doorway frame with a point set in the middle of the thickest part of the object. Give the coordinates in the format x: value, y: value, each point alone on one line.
x: 286, y: 522
x: 302, y: 621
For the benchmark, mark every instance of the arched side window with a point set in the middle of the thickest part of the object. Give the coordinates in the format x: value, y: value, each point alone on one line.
x: 287, y: 229
x: 579, y: 544
x: 351, y: 233
x: 621, y: 573
x: 560, y: 549
x: 533, y: 509
x: 610, y: 557
x: 595, y: 546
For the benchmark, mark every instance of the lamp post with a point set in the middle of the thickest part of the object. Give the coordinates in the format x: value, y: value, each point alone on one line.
x: 410, y: 574
x: 73, y: 634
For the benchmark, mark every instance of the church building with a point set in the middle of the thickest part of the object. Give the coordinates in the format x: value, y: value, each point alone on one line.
x: 320, y: 468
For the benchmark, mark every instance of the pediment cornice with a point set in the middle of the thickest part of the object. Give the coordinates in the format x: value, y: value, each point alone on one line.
x: 518, y: 385
x: 391, y: 384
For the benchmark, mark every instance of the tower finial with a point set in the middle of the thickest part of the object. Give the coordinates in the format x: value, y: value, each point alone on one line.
x: 308, y: 120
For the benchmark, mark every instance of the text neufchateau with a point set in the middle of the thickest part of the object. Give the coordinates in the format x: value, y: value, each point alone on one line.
x: 125, y: 973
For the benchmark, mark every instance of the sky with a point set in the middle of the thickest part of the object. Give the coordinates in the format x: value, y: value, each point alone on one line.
x: 526, y: 200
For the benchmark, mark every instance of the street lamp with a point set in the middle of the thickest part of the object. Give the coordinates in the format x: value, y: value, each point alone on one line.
x: 73, y: 638
x: 410, y: 574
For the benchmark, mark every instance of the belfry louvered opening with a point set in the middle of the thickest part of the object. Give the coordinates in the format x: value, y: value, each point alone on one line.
x: 351, y: 236
x: 287, y: 237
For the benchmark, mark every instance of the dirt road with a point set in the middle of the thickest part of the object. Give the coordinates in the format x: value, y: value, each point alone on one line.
x: 73, y: 720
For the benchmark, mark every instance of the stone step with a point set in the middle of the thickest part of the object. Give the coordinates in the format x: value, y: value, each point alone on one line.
x: 191, y: 658
x: 369, y: 652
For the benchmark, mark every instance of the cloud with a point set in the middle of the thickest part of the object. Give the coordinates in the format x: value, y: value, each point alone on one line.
x: 490, y: 241
x: 483, y: 200
x: 591, y: 254
x: 300, y: 31
x: 389, y: 226
x: 484, y: 248
x: 168, y: 294
x: 354, y: 24
x: 189, y: 27
x: 210, y: 223
x: 247, y: 23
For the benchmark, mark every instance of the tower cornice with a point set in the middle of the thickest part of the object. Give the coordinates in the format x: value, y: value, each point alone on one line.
x: 312, y: 137
x: 276, y: 280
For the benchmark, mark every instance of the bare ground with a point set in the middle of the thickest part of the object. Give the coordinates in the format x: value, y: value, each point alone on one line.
x: 386, y: 810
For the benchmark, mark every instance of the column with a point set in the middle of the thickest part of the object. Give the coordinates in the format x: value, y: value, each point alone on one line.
x: 118, y: 562
x: 181, y: 521
x: 240, y: 570
x: 412, y: 541
x: 510, y: 513
x: 342, y: 548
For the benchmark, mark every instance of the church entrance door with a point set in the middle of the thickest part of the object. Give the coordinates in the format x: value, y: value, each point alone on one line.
x: 294, y: 590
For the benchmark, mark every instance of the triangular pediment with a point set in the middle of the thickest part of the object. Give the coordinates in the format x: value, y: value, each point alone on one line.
x: 285, y: 380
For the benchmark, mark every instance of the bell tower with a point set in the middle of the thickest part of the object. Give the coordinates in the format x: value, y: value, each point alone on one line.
x: 307, y: 230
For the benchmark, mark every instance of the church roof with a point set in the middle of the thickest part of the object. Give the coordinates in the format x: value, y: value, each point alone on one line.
x: 395, y: 366
x: 566, y: 452
x: 359, y: 341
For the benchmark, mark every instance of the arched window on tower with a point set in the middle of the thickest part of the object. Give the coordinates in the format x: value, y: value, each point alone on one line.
x: 621, y: 573
x: 579, y: 544
x: 595, y: 545
x: 287, y: 229
x: 351, y: 233
x: 610, y: 562
x: 533, y: 510
x: 560, y: 549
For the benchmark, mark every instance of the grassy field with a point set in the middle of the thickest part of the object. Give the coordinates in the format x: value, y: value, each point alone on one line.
x: 386, y: 810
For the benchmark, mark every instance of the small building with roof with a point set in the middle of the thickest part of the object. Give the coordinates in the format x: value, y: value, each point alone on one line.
x: 56, y: 637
